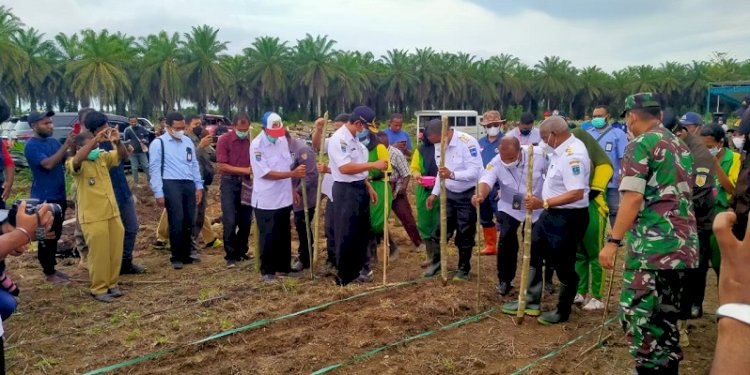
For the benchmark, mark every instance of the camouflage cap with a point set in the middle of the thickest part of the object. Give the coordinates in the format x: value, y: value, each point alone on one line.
x: 642, y: 100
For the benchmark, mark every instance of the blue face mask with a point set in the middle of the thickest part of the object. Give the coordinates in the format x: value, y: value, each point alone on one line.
x: 94, y: 154
x: 271, y: 139
x: 365, y: 141
x: 599, y: 122
x: 363, y: 133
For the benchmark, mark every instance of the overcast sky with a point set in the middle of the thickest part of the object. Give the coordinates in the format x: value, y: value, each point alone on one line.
x: 587, y: 32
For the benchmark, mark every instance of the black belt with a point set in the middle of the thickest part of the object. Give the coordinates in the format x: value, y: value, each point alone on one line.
x: 232, y: 177
x: 360, y: 182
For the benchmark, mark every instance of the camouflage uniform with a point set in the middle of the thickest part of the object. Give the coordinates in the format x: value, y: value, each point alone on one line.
x: 661, y: 244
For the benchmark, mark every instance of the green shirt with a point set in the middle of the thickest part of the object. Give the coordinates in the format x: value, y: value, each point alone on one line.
x: 664, y: 236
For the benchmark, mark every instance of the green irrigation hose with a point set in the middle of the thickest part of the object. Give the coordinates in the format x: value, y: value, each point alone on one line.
x: 256, y: 324
x: 557, y: 351
x: 457, y: 323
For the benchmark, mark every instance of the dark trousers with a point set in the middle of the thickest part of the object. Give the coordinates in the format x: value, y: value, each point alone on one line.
x: 330, y: 234
x: 402, y: 209
x: 487, y: 209
x: 179, y: 199
x: 200, y: 218
x: 130, y: 224
x: 695, y: 279
x: 507, y: 247
x: 236, y: 218
x: 48, y: 248
x: 299, y: 225
x: 461, y: 218
x: 351, y: 218
x: 275, y: 240
x: 555, y: 237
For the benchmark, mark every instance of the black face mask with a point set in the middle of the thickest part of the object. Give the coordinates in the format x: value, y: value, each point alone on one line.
x: 197, y: 131
x: 526, y: 132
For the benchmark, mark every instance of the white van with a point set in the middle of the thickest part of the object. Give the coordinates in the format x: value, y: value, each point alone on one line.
x: 465, y: 121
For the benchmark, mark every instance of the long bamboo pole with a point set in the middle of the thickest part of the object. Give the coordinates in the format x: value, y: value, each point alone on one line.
x: 318, y: 195
x: 443, y: 207
x: 386, y: 206
x: 308, y: 234
x: 479, y: 250
x: 526, y: 241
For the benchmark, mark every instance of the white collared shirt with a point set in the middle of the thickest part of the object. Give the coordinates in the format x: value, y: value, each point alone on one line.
x: 512, y: 181
x: 463, y: 159
x: 569, y: 169
x: 344, y: 148
x: 266, y: 157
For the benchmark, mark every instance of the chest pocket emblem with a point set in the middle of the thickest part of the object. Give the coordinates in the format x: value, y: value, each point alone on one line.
x: 92, y: 181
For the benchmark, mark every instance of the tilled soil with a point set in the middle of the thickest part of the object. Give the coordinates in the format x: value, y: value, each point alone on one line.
x: 61, y: 330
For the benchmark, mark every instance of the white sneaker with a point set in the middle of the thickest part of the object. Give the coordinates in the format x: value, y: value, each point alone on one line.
x: 594, y: 304
x: 579, y: 299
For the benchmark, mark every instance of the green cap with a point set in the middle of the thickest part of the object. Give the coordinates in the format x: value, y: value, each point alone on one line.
x: 642, y: 100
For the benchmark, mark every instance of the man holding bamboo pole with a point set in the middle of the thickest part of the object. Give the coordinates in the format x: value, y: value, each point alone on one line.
x: 509, y: 170
x: 463, y: 166
x: 304, y: 199
x: 560, y: 227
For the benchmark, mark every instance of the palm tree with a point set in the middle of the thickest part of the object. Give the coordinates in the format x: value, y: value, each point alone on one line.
x: 314, y: 66
x: 644, y: 78
x: 507, y: 83
x: 100, y: 72
x: 12, y: 58
x: 671, y: 76
x: 268, y: 61
x: 202, y: 72
x: 237, y: 92
x: 594, y: 86
x: 353, y: 78
x: 429, y: 78
x: 40, y: 56
x: 556, y: 79
x: 398, y: 77
x: 696, y: 82
x: 160, y: 77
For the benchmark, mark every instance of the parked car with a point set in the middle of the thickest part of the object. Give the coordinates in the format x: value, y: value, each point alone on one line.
x: 214, y: 122
x: 7, y: 127
x: 146, y: 123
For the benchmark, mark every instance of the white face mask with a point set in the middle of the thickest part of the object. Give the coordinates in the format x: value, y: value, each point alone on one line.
x: 493, y: 131
x: 546, y: 147
x: 739, y: 142
x: 178, y: 133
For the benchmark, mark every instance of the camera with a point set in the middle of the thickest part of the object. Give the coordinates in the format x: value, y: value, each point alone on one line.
x: 32, y: 206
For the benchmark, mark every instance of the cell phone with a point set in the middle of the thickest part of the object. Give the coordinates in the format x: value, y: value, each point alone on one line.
x: 76, y: 128
x: 109, y: 132
x: 4, y: 216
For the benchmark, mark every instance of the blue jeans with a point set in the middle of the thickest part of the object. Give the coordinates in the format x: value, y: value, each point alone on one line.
x: 130, y: 223
x: 139, y: 160
x: 7, y: 304
x: 613, y: 202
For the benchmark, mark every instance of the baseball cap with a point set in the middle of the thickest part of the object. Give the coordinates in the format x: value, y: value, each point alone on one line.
x: 691, y: 118
x: 491, y: 117
x: 547, y: 114
x: 35, y: 116
x: 641, y: 100
x: 365, y: 115
x: 343, y: 117
x: 527, y: 118
x: 273, y: 125
x: 434, y: 127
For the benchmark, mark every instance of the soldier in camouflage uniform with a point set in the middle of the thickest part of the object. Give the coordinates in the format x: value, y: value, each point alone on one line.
x: 657, y: 212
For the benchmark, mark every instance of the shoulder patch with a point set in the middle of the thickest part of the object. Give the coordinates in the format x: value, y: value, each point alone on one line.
x: 463, y: 138
x: 569, y: 150
x: 702, y: 170
x: 489, y: 167
x: 473, y: 150
x: 576, y: 169
x: 700, y: 180
x: 257, y: 155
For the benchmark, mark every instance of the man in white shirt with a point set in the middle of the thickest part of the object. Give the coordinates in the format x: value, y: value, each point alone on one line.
x: 352, y: 194
x: 272, y: 198
x: 561, y: 226
x: 509, y: 170
x: 525, y: 132
x: 463, y: 166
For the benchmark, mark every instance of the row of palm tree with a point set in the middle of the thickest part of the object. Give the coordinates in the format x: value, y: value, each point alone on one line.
x: 157, y: 73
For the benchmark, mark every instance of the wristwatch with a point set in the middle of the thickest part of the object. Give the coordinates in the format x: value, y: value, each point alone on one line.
x: 617, y: 242
x: 545, y: 205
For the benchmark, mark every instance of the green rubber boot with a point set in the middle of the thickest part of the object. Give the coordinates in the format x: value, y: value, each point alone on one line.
x: 433, y: 249
x: 533, y: 296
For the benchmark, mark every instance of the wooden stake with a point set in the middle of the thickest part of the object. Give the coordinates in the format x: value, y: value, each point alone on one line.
x: 443, y: 207
x: 526, y: 242
x: 606, y: 302
x: 386, y: 206
x: 318, y: 195
x: 308, y: 234
x: 256, y: 248
x: 479, y: 249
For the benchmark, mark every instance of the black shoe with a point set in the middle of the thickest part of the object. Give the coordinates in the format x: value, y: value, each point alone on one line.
x: 553, y: 317
x: 132, y: 269
x: 115, y: 292
x: 104, y: 297
x: 177, y: 265
x: 504, y: 288
x: 549, y: 287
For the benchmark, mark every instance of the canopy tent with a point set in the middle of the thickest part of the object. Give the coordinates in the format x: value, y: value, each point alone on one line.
x: 728, y: 92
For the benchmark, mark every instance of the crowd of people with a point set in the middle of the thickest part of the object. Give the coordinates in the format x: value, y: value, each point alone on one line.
x: 654, y: 184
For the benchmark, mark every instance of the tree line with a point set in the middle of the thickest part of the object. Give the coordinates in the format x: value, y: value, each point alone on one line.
x: 160, y: 72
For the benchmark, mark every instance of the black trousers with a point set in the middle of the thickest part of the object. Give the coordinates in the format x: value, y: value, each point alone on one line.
x: 351, y: 218
x: 299, y: 225
x: 179, y: 199
x: 507, y: 247
x: 330, y: 234
x: 275, y: 240
x: 555, y: 237
x: 48, y: 248
x: 235, y: 217
x: 695, y: 279
x: 488, y: 209
x: 461, y: 218
x: 200, y: 218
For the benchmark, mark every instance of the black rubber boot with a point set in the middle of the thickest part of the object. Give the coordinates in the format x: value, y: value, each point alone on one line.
x: 464, y: 265
x: 533, y: 296
x: 564, y: 304
x: 434, y: 249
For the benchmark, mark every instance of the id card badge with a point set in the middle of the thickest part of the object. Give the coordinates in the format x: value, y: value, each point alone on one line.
x: 517, y: 201
x: 189, y: 154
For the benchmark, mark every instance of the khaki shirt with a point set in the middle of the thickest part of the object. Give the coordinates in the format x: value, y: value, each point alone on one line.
x: 95, y: 197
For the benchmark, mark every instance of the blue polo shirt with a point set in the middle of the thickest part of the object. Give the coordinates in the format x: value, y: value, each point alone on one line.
x: 117, y: 175
x: 586, y: 125
x: 46, y: 184
x: 613, y: 142
x: 488, y: 149
x: 401, y: 136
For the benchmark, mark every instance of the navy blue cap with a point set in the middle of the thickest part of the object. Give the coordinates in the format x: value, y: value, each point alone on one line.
x: 35, y: 116
x: 691, y: 118
x: 363, y: 114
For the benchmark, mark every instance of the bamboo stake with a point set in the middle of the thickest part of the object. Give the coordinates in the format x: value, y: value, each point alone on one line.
x: 479, y: 248
x: 256, y: 248
x: 606, y: 303
x: 318, y: 194
x: 526, y: 242
x: 443, y: 207
x: 386, y: 206
x: 308, y: 234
